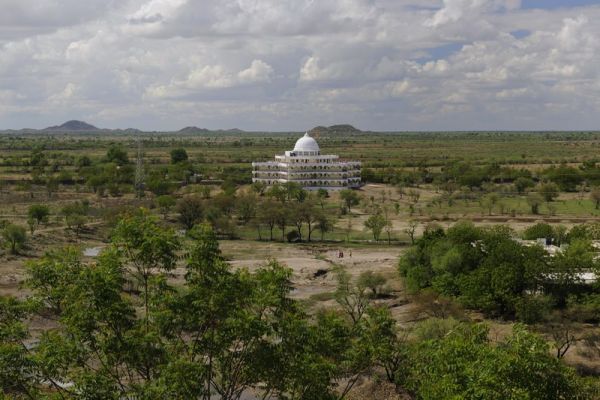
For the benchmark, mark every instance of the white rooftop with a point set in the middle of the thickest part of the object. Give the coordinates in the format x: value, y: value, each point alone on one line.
x: 306, y: 143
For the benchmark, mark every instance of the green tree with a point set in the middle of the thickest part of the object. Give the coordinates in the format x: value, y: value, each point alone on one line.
x: 322, y: 195
x: 83, y: 161
x: 540, y: 230
x: 267, y: 214
x: 549, y: 191
x: 489, y: 201
x: 520, y: 367
x: 36, y: 215
x: 18, y: 378
x: 375, y: 223
x: 534, y: 200
x: 117, y: 154
x: 191, y: 211
x: 246, y: 207
x: 178, y: 155
x: 15, y: 237
x: 595, y: 196
x: 350, y: 198
x: 523, y: 183
x: 159, y: 185
x: 324, y: 224
x: 259, y: 188
x: 148, y: 247
x: 166, y: 204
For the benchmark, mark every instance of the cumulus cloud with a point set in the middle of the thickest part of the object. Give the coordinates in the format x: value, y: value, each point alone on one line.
x: 214, y: 77
x: 455, y: 10
x: 283, y: 64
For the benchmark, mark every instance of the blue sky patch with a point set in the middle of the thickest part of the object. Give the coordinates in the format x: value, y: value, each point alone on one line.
x: 441, y: 52
x: 521, y: 33
x: 552, y: 4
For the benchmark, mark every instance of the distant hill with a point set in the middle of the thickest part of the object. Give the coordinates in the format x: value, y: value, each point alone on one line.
x: 72, y: 125
x: 334, y: 130
x: 192, y: 130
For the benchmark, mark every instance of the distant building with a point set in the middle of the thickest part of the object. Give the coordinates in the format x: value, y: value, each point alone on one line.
x: 309, y: 168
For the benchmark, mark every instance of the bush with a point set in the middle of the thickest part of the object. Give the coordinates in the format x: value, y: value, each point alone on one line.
x: 533, y: 309
x: 293, y: 236
x: 15, y: 237
x: 178, y: 155
x: 539, y: 231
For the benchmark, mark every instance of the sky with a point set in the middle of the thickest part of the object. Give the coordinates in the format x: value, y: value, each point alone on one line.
x: 277, y: 65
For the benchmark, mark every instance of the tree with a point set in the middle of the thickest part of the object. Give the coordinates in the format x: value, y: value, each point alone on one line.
x: 523, y: 183
x: 414, y: 195
x: 293, y: 190
x: 411, y: 229
x: 37, y: 214
x: 83, y: 161
x: 534, y: 200
x: 520, y: 367
x: 259, y: 188
x: 223, y: 332
x: 489, y: 201
x: 297, y: 216
x: 540, y: 230
x: 282, y: 217
x: 18, y: 378
x: 310, y: 214
x: 149, y: 248
x: 277, y: 192
x: 76, y: 222
x: 246, y: 207
x: 51, y: 186
x: 350, y: 198
x: 159, y: 185
x: 324, y: 224
x: 352, y: 298
x: 268, y: 215
x: 191, y: 211
x: 178, y: 155
x: 75, y: 215
x: 117, y: 154
x: 165, y: 203
x: 595, y: 196
x: 549, y: 191
x: 389, y: 226
x: 121, y: 329
x: 15, y: 237
x: 322, y: 194
x: 375, y: 223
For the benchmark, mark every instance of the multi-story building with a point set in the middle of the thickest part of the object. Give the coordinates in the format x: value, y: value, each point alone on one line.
x: 309, y: 168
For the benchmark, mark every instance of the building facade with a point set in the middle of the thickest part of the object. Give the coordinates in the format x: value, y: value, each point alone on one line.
x: 309, y: 168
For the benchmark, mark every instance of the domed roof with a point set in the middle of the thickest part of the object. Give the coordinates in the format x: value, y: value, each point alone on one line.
x: 306, y: 143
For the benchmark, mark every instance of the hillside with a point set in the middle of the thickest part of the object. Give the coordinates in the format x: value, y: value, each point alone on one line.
x: 72, y: 125
x: 341, y: 129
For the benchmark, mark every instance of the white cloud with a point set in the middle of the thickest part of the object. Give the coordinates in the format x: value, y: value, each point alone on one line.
x: 280, y: 64
x: 259, y: 71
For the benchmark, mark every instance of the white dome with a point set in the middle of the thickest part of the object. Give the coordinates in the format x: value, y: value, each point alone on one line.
x: 306, y: 143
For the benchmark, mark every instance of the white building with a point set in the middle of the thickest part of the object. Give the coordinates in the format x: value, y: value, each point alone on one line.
x: 309, y: 168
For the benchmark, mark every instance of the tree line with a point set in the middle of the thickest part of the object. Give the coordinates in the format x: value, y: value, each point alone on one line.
x: 121, y: 328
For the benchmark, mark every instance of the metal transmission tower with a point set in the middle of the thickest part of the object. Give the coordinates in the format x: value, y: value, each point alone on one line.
x: 139, y: 171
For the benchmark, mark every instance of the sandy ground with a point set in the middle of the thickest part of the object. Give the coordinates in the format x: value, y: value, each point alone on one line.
x: 314, y: 268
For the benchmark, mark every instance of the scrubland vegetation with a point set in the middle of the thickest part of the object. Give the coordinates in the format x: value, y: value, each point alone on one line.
x: 208, y: 285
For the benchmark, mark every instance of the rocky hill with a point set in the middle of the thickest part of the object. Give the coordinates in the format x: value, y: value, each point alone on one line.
x: 342, y: 129
x: 72, y: 125
x: 188, y: 130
